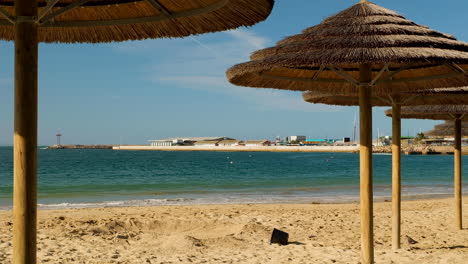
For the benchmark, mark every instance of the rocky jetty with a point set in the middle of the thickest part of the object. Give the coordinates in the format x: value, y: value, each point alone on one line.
x: 80, y: 147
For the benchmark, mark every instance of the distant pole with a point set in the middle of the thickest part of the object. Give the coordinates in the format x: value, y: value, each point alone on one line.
x: 354, y: 130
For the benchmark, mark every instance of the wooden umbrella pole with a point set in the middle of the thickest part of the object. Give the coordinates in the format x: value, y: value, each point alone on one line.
x: 365, y: 152
x: 458, y: 180
x: 25, y: 134
x: 396, y: 172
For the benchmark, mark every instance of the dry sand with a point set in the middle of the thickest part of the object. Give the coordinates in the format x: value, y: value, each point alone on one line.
x: 320, y: 233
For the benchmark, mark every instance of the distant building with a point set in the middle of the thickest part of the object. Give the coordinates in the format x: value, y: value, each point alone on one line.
x: 184, y: 141
x: 229, y: 142
x: 257, y: 143
x: 160, y: 143
x: 315, y: 142
x: 207, y: 143
x: 295, y: 139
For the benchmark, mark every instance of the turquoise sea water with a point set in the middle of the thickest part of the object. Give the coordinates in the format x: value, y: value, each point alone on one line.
x: 94, y: 178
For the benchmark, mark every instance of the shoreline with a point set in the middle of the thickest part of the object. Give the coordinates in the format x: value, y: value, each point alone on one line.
x: 193, y: 202
x: 319, y: 233
x: 338, y: 149
x: 412, y: 150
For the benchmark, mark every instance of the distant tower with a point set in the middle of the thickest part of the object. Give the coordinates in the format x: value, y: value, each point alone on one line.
x: 58, y: 138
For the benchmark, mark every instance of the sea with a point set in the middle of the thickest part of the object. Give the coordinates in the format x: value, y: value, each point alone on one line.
x: 112, y: 178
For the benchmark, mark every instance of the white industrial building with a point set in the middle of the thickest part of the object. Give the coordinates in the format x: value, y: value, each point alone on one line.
x: 257, y: 143
x: 207, y: 143
x: 161, y: 143
x: 295, y: 138
x: 230, y: 143
x: 190, y: 141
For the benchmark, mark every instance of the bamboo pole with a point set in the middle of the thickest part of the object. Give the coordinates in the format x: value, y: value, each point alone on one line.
x: 396, y: 172
x: 365, y: 152
x: 25, y: 134
x: 458, y: 181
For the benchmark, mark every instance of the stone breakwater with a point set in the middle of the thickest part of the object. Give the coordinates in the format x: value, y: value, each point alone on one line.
x: 80, y: 147
x: 420, y: 149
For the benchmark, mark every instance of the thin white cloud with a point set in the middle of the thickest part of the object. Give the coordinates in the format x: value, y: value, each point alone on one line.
x: 199, y: 63
x: 249, y: 36
x: 194, y: 81
x: 266, y: 98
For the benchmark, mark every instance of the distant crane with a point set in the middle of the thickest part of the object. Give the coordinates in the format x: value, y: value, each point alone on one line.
x: 58, y: 135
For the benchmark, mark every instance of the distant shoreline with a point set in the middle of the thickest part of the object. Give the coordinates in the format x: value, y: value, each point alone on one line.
x: 351, y: 149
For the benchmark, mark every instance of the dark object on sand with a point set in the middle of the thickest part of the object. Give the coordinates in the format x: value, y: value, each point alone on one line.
x: 279, y: 237
x: 411, y: 241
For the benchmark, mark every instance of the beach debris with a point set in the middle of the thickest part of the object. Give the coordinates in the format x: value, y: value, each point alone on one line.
x: 195, y: 241
x: 410, y: 240
x: 90, y: 222
x: 279, y: 237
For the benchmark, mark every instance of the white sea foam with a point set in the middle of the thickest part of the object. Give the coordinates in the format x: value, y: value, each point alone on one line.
x: 345, y: 194
x: 233, y: 199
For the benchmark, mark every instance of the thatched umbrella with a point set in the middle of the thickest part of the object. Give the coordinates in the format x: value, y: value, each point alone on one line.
x: 28, y: 22
x: 448, y: 132
x: 449, y: 125
x: 447, y: 129
x: 458, y: 113
x: 430, y: 97
x: 364, y: 48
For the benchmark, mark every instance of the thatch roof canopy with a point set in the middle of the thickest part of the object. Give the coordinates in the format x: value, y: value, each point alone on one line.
x: 434, y: 97
x: 402, y: 54
x: 435, y: 112
x: 119, y: 20
x: 318, y: 97
x: 449, y: 125
x: 450, y: 132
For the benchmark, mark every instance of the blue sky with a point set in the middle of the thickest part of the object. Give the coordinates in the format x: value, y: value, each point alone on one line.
x: 135, y: 91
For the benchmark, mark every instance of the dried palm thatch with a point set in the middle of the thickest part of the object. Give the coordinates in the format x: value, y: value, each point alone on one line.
x: 387, y: 93
x: 403, y: 55
x: 94, y: 21
x: 435, y: 112
x: 449, y: 132
x: 29, y: 22
x: 318, y: 97
x: 449, y: 125
x: 430, y: 97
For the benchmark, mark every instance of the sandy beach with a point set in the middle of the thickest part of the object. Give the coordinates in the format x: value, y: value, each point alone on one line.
x: 319, y: 233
